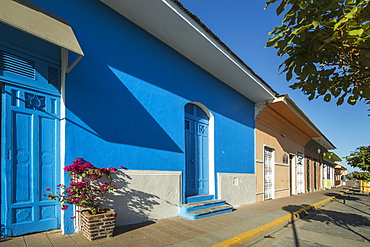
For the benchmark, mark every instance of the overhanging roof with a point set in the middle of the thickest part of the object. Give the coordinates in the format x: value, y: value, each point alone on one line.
x: 290, y: 111
x: 339, y: 166
x: 167, y: 20
x: 331, y: 157
x: 31, y: 19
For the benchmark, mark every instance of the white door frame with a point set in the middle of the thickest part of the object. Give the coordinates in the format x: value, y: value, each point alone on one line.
x: 266, y: 195
x: 300, y: 174
x: 293, y: 172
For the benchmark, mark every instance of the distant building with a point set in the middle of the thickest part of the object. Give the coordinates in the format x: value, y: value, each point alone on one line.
x: 289, y: 149
x: 339, y: 172
x: 328, y: 173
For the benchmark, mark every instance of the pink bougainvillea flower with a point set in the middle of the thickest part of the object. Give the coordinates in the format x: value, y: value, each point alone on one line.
x: 113, y: 169
x: 84, y: 185
x: 74, y: 217
x: 47, y: 189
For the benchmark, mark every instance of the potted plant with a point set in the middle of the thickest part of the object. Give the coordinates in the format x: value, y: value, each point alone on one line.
x: 87, y: 186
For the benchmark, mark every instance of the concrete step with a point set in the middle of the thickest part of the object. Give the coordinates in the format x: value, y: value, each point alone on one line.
x: 189, y: 207
x: 208, y: 212
x: 199, y: 198
x: 203, y: 209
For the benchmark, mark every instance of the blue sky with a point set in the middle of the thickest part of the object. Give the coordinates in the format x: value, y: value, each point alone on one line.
x: 243, y: 25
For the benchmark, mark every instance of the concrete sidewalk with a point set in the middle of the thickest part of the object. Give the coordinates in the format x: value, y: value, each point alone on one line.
x: 246, y: 224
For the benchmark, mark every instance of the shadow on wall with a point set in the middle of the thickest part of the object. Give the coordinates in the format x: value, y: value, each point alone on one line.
x: 106, y: 106
x: 2, y: 233
x: 132, y: 206
x: 112, y: 113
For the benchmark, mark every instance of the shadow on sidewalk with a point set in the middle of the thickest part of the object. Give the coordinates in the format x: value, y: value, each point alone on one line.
x: 3, y: 240
x: 127, y: 228
x: 347, y: 221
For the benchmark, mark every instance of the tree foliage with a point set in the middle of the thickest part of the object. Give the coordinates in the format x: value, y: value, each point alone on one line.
x: 360, y: 158
x: 326, y: 47
x: 362, y: 175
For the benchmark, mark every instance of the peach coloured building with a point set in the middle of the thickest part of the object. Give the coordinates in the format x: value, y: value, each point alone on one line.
x: 289, y: 150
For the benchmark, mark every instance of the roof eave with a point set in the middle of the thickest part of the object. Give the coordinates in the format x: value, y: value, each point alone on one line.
x: 167, y: 20
x: 320, y: 137
x: 331, y: 157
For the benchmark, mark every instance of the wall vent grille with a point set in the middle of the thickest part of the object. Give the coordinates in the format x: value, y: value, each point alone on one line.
x: 18, y: 65
x: 53, y: 76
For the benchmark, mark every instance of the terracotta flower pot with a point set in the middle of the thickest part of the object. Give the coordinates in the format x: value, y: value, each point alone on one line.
x: 97, y: 226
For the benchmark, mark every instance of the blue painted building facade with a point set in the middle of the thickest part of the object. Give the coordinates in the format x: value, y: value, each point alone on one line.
x: 136, y: 99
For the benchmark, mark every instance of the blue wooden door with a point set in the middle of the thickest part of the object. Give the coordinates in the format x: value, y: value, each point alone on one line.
x: 196, y: 149
x: 30, y: 128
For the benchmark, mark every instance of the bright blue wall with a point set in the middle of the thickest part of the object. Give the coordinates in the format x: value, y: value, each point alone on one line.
x: 125, y: 99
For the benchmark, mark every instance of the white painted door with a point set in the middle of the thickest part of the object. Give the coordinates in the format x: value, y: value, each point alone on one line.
x: 293, y: 166
x: 300, y: 174
x: 325, y: 177
x: 268, y: 173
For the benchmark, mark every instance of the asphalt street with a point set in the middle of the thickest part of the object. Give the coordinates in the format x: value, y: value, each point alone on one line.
x: 343, y: 222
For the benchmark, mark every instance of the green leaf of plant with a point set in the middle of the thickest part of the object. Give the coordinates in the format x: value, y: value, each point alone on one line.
x: 269, y: 2
x: 352, y: 13
x: 351, y: 100
x: 321, y: 91
x: 272, y: 41
x: 289, y: 75
x: 312, y: 96
x: 340, y: 22
x: 327, y: 72
x: 336, y: 91
x: 327, y: 97
x: 281, y: 7
x: 315, y: 24
x: 357, y: 32
x: 340, y: 101
x: 309, y: 68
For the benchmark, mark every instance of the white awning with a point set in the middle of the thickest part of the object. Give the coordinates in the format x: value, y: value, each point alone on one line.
x: 39, y: 24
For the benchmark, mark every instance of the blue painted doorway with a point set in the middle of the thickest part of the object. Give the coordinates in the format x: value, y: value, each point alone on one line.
x: 30, y: 143
x: 196, y: 149
x: 31, y: 162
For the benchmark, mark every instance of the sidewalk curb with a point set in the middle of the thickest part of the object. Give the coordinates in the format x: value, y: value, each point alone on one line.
x: 259, y: 232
